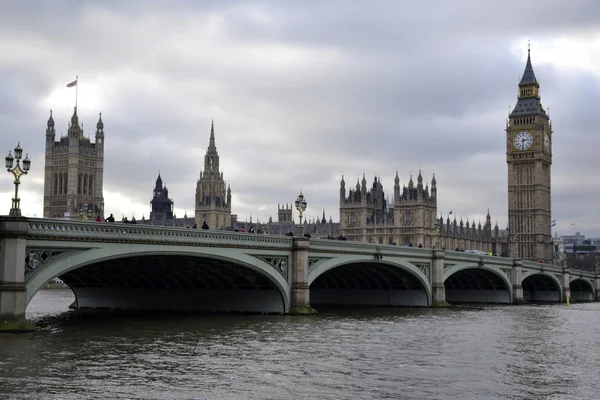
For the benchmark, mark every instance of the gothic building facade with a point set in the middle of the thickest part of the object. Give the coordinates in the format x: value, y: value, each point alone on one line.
x: 529, y: 159
x: 74, y: 169
x: 213, y: 201
x: 366, y: 216
x: 161, y: 205
x: 411, y: 219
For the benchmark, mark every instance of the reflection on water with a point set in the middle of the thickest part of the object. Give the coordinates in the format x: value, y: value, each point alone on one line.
x: 487, y: 352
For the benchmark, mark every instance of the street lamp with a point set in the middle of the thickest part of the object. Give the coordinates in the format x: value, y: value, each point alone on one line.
x: 17, y: 171
x: 300, y: 206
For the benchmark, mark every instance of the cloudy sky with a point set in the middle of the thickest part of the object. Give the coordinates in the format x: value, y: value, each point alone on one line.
x: 302, y: 92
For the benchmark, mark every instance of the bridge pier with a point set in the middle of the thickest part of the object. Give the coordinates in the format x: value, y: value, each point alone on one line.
x: 566, y: 284
x: 13, y: 295
x: 597, y: 285
x: 300, y: 294
x: 438, y: 289
x: 517, y: 285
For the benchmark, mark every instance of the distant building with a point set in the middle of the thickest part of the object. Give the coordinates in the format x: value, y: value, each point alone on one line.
x: 161, y: 204
x: 411, y: 219
x: 529, y: 159
x: 74, y: 169
x: 316, y: 227
x: 213, y: 202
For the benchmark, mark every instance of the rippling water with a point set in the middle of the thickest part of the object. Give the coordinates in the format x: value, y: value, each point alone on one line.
x: 487, y: 352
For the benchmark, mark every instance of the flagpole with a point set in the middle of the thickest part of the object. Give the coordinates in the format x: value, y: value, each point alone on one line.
x: 76, y: 90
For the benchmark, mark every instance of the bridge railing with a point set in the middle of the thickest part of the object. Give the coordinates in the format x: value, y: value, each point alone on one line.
x: 54, y: 229
x: 344, y: 246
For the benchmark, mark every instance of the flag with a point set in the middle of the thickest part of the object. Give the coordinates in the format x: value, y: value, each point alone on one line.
x: 552, y: 223
x: 74, y: 83
x: 450, y: 212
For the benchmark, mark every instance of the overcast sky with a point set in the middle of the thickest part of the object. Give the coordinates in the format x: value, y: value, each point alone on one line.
x: 302, y: 92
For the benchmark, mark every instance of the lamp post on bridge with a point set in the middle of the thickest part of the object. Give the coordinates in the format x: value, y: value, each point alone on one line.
x: 301, y: 206
x: 17, y: 172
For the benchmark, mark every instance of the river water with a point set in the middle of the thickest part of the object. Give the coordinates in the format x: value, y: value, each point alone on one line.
x: 480, y: 352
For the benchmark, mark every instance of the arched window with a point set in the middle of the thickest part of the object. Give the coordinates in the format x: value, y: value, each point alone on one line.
x: 55, y: 184
x: 85, y: 178
x: 79, y: 184
x: 66, y: 182
x: 60, y: 184
x: 90, y: 185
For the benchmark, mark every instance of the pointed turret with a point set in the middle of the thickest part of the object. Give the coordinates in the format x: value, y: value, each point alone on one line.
x: 528, y: 103
x: 396, y: 188
x: 100, y: 124
x: 211, y: 141
x: 528, y: 78
x: 159, y: 183
x: 50, y: 121
x: 323, y: 220
x: 342, y: 189
x: 420, y: 179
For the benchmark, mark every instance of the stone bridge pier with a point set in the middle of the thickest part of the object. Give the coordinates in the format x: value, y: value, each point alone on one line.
x: 13, y: 294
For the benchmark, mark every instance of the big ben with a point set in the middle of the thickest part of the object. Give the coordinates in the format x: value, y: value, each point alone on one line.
x: 529, y: 159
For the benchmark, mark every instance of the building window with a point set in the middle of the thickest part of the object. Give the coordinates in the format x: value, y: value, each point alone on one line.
x: 85, y: 181
x: 60, y: 186
x: 90, y: 185
x: 79, y: 184
x: 55, y: 184
x: 66, y: 180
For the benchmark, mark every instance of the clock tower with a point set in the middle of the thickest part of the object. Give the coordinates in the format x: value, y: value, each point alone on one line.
x: 529, y: 159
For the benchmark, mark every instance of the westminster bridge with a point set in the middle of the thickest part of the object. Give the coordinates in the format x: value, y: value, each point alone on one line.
x: 134, y: 267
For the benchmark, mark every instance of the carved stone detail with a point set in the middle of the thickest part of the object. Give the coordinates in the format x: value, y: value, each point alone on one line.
x: 446, y: 266
x: 314, y: 261
x: 280, y: 264
x: 424, y: 267
x: 37, y: 258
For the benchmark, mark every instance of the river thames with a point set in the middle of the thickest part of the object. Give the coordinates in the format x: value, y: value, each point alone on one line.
x: 478, y: 352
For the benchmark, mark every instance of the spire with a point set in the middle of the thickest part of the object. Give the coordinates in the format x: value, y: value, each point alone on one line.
x: 433, y: 182
x: 528, y: 78
x: 396, y: 179
x: 211, y: 142
x: 50, y: 121
x: 323, y: 220
x: 528, y: 102
x: 159, y: 183
x: 100, y: 124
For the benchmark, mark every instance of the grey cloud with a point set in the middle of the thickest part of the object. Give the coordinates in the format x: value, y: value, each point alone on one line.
x: 302, y: 92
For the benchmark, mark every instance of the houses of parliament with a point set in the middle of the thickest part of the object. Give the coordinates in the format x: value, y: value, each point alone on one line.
x: 74, y: 177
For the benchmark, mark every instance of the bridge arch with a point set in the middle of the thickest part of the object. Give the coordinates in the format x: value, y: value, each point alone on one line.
x: 238, y: 263
x: 541, y: 286
x: 582, y: 288
x: 363, y: 280
x: 477, y: 283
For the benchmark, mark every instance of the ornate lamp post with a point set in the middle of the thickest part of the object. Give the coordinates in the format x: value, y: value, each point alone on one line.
x: 300, y: 206
x: 17, y: 171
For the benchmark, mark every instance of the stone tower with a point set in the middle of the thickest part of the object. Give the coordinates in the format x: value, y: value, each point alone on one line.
x: 74, y: 172
x: 284, y: 213
x: 415, y: 212
x: 162, y: 206
x: 213, y: 202
x: 529, y: 159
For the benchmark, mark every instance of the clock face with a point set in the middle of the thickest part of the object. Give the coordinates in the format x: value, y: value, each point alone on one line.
x: 547, y: 143
x: 523, y: 140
